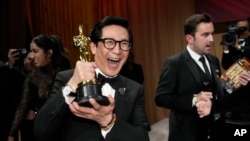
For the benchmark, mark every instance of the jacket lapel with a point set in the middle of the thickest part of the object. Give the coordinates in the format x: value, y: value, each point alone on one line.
x: 192, y: 66
x: 120, y: 95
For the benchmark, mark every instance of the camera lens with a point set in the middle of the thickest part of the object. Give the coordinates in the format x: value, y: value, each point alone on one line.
x: 23, y: 51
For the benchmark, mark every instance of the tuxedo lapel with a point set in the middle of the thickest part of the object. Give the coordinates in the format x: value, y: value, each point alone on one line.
x: 192, y: 66
x: 120, y: 96
x: 119, y: 103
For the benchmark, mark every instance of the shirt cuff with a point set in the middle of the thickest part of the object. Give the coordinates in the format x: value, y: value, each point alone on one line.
x: 68, y: 99
x: 105, y: 132
x: 226, y: 51
x: 106, y: 129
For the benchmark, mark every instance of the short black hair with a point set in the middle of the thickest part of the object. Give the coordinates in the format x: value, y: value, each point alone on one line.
x: 192, y: 22
x: 96, y: 32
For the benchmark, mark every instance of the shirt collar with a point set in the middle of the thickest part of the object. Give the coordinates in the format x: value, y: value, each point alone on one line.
x: 193, y: 54
x: 97, y: 71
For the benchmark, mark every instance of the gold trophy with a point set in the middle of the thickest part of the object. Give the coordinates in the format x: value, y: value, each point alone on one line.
x: 90, y: 88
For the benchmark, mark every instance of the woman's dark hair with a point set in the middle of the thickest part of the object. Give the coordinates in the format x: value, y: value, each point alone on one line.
x: 42, y: 77
x: 96, y: 32
x: 59, y: 58
x: 192, y: 22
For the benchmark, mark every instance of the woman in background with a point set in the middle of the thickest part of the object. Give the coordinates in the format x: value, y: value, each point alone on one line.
x: 49, y: 57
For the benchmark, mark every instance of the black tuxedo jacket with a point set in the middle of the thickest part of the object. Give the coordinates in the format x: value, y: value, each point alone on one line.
x: 54, y: 120
x: 179, y: 81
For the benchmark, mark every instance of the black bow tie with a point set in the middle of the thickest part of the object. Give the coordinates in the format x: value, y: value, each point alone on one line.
x: 104, y: 79
x: 113, y: 83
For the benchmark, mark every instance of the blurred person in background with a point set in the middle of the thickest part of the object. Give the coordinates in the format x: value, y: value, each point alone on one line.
x: 185, y: 78
x: 132, y: 70
x: 12, y: 74
x: 49, y: 57
x: 236, y: 45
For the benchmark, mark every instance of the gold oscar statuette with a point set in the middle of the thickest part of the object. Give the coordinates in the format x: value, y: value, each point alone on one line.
x: 90, y: 88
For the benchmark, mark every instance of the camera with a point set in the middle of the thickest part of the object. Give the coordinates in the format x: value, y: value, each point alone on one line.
x: 21, y: 52
x: 229, y: 39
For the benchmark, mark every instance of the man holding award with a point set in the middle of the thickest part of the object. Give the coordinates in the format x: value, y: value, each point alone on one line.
x: 118, y: 115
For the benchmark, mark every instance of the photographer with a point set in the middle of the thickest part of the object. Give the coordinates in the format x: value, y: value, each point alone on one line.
x: 236, y: 45
x: 18, y: 59
x: 12, y: 74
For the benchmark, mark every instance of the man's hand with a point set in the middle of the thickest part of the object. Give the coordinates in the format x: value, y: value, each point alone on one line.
x: 204, y: 107
x: 244, y: 78
x: 83, y: 71
x: 204, y: 96
x: 204, y: 103
x: 100, y: 114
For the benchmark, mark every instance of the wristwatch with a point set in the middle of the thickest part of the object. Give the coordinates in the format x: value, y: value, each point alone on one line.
x: 195, y: 100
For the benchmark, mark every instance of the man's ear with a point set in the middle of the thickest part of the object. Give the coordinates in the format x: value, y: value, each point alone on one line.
x: 93, y: 48
x: 189, y: 38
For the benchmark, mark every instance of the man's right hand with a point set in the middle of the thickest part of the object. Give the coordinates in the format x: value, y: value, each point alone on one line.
x: 83, y: 71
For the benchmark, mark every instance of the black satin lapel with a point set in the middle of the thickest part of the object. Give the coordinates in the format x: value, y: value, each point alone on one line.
x: 120, y: 97
x: 118, y: 104
x: 194, y: 69
x: 192, y: 66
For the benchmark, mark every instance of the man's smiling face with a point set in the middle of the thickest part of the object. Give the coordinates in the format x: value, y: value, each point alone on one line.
x: 111, y: 61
